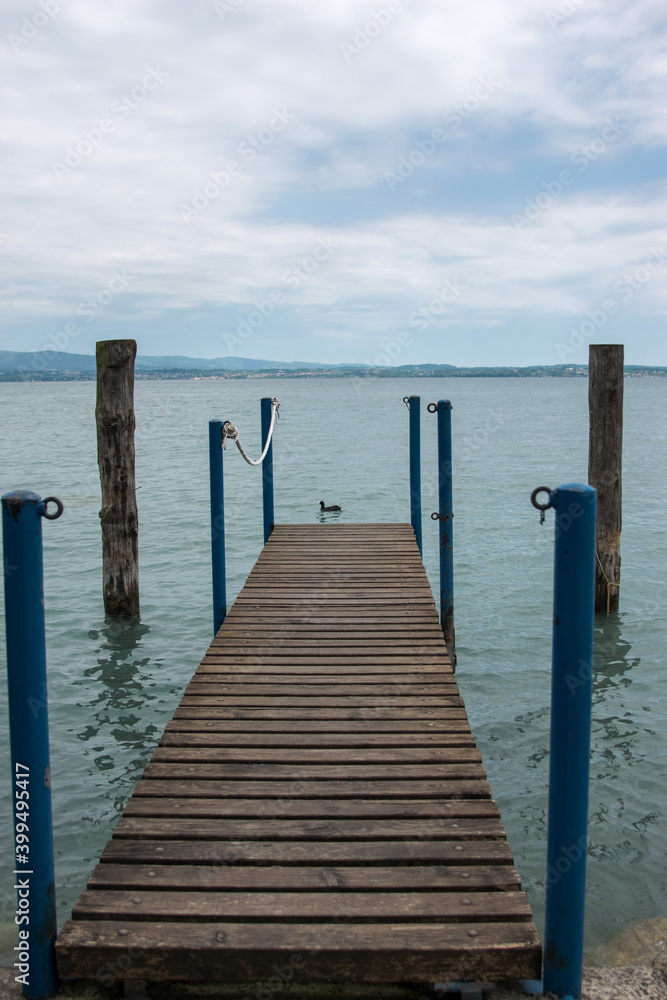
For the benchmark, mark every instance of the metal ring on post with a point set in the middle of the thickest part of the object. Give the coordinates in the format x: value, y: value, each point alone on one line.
x: 432, y: 407
x: 541, y: 506
x: 437, y: 517
x: 59, y: 508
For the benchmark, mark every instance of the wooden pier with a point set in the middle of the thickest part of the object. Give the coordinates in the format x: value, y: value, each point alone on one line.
x: 317, y: 803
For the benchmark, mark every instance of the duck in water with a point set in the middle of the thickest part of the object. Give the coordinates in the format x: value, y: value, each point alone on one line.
x: 323, y: 508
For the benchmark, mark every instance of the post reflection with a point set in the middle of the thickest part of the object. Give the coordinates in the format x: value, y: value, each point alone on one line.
x: 118, y: 730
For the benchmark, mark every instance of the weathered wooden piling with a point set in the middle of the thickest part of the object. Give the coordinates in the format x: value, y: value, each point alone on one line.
x: 114, y: 414
x: 605, y: 456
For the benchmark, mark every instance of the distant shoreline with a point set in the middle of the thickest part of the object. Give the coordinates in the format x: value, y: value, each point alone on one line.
x: 416, y: 371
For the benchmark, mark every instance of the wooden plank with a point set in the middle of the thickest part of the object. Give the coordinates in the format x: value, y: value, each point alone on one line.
x: 168, y: 783
x: 220, y: 686
x: 316, y: 852
x: 454, y: 722
x: 354, y: 543
x: 368, y: 653
x: 263, y: 590
x: 287, y: 701
x: 303, y: 642
x: 430, y: 669
x: 324, y: 676
x: 382, y: 581
x: 333, y: 559
x: 296, y: 907
x: 297, y: 629
x: 311, y: 611
x: 399, y: 617
x: 324, y: 829
x: 225, y: 708
x: 341, y: 952
x: 315, y: 740
x: 297, y: 686
x: 310, y: 756
x: 376, y: 584
x: 390, y: 542
x: 365, y: 713
x: 397, y: 527
x: 329, y: 601
x: 314, y: 772
x: 394, y: 644
x: 291, y: 808
x: 430, y: 878
x: 274, y: 666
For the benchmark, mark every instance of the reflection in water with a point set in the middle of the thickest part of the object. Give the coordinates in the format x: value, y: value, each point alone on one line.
x: 329, y: 517
x: 117, y: 720
x: 118, y: 707
x: 611, y: 659
x: 626, y: 849
x: 613, y: 736
x: 624, y: 822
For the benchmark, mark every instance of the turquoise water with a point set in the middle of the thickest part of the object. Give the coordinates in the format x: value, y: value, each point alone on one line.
x: 112, y: 689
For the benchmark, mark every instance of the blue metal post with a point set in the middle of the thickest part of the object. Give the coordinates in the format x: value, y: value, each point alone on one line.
x: 217, y: 524
x: 415, y: 470
x: 446, y: 515
x: 35, y: 964
x: 267, y: 470
x: 571, y: 688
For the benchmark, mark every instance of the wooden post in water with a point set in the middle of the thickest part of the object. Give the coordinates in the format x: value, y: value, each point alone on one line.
x: 114, y: 414
x: 605, y: 455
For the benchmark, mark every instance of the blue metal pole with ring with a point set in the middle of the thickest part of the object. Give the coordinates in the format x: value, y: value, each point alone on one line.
x: 413, y: 405
x: 571, y: 691
x: 445, y: 517
x: 22, y: 513
x: 217, y: 523
x: 267, y: 469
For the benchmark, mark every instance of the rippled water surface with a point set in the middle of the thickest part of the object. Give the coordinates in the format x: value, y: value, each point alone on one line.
x: 112, y: 689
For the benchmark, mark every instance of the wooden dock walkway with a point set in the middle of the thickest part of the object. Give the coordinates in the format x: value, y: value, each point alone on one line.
x: 317, y: 802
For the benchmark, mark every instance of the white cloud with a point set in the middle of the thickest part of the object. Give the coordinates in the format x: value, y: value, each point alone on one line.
x: 223, y: 80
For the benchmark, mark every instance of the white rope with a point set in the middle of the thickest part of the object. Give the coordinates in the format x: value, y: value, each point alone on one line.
x: 230, y: 433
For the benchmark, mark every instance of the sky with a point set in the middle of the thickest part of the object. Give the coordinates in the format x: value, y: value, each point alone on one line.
x: 388, y: 182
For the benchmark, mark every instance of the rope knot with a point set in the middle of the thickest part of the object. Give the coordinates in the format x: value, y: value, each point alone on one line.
x: 230, y: 433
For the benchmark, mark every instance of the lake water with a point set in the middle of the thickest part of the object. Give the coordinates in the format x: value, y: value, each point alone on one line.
x: 112, y: 689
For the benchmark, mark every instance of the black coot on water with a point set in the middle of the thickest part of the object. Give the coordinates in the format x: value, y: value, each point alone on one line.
x: 334, y: 507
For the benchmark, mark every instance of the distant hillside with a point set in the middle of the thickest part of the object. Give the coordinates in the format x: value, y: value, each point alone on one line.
x: 42, y: 361
x: 229, y: 364
x: 60, y: 361
x: 18, y: 366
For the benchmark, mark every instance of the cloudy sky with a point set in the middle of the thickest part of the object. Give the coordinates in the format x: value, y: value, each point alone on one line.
x: 477, y: 182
